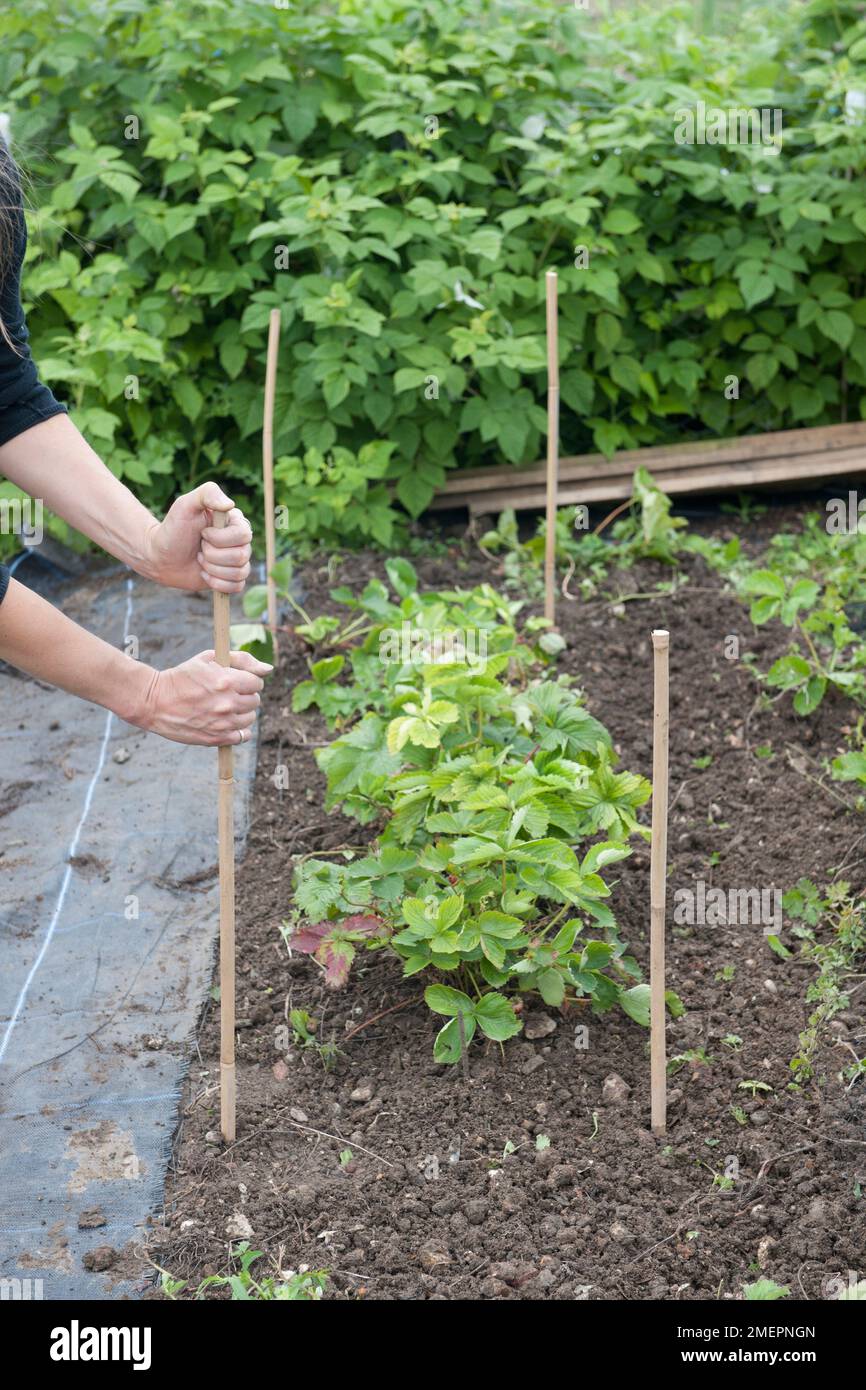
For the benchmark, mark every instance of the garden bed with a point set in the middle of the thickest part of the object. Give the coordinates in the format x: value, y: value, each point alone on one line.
x: 411, y: 1180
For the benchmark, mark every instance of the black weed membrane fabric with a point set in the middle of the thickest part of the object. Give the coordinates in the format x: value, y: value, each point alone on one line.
x: 108, y: 928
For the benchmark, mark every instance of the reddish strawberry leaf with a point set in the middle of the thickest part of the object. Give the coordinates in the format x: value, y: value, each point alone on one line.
x: 309, y: 938
x: 330, y: 943
x: 336, y: 955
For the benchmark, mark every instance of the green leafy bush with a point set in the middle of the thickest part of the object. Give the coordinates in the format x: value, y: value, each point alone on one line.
x: 483, y: 775
x: 396, y: 178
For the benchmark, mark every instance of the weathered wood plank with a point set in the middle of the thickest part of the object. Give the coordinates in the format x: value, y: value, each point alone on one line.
x: 703, y: 477
x: 776, y: 444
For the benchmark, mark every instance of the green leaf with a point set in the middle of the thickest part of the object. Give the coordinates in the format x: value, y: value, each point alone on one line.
x: 608, y: 331
x: 444, y: 1000
x: 636, y: 1003
x: 765, y: 582
x: 849, y: 767
x: 551, y: 987
x: 815, y: 212
x: 499, y: 924
x: 620, y: 222
x: 596, y: 955
x: 402, y: 576
x: 447, y: 1047
x: 705, y: 247
x: 788, y: 671
x: 233, y: 355
x: 415, y: 913
x: 806, y: 701
x: 409, y: 379
x: 450, y: 910
x: 327, y: 668
x: 765, y: 1291
x: 836, y: 326
x: 675, y: 1006
x: 188, y: 397
x: 496, y: 1018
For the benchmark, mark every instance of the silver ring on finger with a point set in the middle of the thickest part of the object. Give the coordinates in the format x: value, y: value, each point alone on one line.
x: 242, y: 733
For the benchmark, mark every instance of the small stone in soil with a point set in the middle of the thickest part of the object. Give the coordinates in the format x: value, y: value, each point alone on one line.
x: 362, y: 1094
x: 615, y: 1091
x: 539, y: 1026
x: 493, y: 1288
x: 620, y: 1233
x: 238, y: 1227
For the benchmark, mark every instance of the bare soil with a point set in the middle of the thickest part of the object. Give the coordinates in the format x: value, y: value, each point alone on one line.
x: 430, y: 1204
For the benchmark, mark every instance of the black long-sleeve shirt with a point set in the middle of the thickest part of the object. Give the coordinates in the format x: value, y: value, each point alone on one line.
x: 24, y: 400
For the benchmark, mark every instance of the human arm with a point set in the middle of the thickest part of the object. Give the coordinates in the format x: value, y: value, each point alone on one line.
x: 196, y: 702
x: 52, y: 461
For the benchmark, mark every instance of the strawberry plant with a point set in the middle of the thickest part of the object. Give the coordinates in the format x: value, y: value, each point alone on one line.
x: 397, y: 631
x: 851, y: 765
x: 811, y: 583
x: 648, y: 531
x: 482, y: 780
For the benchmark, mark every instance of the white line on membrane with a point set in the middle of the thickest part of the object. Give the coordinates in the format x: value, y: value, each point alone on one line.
x: 61, y: 897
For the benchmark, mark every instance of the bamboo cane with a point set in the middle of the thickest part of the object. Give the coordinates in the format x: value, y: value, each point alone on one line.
x: 552, y: 446
x: 268, y: 469
x: 658, y: 873
x: 226, y: 854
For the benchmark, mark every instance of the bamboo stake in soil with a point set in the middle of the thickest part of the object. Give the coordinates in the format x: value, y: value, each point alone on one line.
x: 552, y: 445
x: 226, y: 841
x: 658, y: 871
x: 268, y: 469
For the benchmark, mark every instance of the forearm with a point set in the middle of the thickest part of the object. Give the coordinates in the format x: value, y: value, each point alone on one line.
x: 53, y: 462
x: 37, y: 638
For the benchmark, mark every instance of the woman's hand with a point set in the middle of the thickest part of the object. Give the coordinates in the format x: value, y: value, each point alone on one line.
x: 186, y: 551
x: 203, y: 702
x: 197, y: 702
